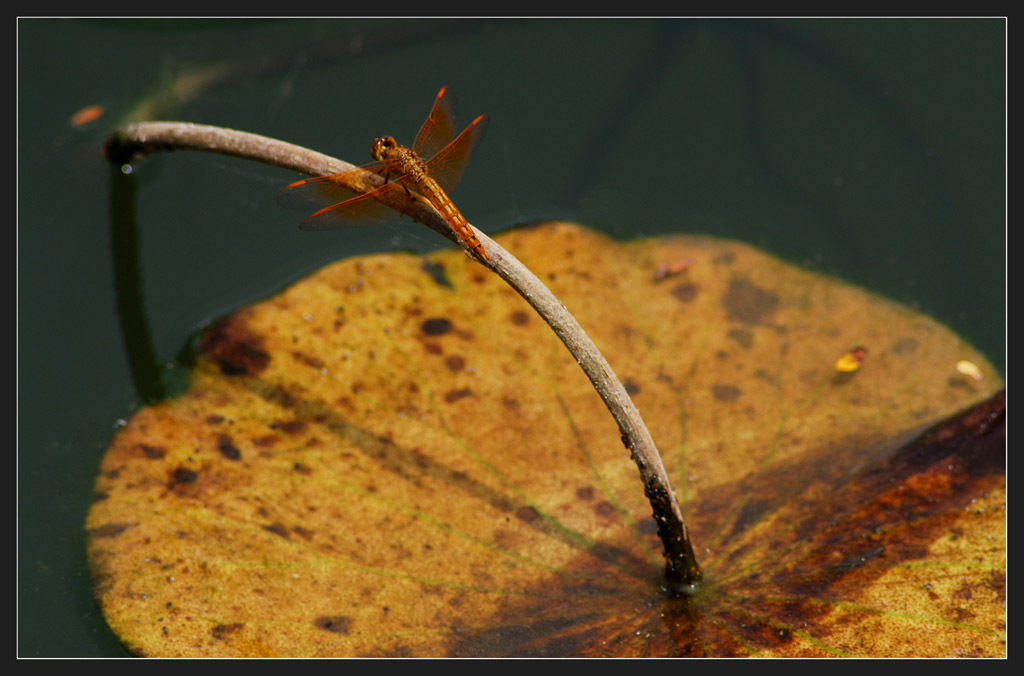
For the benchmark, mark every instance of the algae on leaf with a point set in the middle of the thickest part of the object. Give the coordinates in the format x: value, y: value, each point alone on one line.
x: 396, y: 457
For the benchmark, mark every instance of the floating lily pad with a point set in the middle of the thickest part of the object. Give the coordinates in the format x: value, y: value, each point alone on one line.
x: 396, y: 457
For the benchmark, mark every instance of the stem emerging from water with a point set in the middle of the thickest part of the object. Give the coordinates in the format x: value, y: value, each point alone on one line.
x: 682, y: 572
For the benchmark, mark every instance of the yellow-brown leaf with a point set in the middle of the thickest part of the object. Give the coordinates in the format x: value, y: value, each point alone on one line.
x: 396, y: 457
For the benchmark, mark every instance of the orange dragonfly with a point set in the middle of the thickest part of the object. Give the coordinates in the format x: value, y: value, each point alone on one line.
x: 432, y: 168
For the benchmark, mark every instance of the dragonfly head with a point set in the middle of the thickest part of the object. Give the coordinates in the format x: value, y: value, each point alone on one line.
x: 380, y: 146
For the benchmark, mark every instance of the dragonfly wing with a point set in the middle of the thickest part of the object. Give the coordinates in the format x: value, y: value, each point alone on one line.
x: 335, y: 203
x: 321, y: 191
x: 447, y: 166
x: 439, y: 128
x: 364, y: 209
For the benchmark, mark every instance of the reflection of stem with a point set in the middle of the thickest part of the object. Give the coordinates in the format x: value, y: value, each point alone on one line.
x: 135, y: 329
x: 334, y: 49
x: 681, y: 570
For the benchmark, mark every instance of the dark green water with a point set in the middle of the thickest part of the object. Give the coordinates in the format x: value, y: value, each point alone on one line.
x: 869, y: 149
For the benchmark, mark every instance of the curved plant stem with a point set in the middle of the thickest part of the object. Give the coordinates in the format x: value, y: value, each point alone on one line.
x: 682, y: 571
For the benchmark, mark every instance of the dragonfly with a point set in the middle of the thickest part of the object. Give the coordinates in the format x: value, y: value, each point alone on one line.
x: 431, y: 168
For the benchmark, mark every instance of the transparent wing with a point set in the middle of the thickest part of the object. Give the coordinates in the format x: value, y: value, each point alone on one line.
x: 439, y: 128
x: 337, y: 205
x: 447, y: 166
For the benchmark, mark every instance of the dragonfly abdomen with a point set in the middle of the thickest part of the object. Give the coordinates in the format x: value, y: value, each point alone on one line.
x: 433, y: 192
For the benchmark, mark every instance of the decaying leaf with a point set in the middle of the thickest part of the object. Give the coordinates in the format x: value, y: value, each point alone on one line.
x: 396, y: 457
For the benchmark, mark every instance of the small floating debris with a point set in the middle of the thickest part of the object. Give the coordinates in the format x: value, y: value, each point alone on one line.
x: 970, y: 369
x: 86, y: 115
x: 671, y: 269
x: 852, y: 360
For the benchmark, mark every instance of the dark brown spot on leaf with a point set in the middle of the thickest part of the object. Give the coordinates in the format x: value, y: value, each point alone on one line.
x: 585, y: 493
x: 438, y: 326
x: 282, y: 397
x: 277, y: 528
x: 308, y: 359
x: 214, y: 419
x: 997, y: 583
x: 153, y: 452
x: 686, y: 292
x: 726, y: 392
x: 744, y: 337
x: 527, y: 514
x: 227, y: 447
x: 421, y: 458
x: 235, y: 347
x: 451, y: 396
x: 304, y: 533
x: 519, y: 318
x: 109, y: 530
x: 747, y: 303
x: 604, y: 508
x: 455, y: 363
x: 222, y: 631
x: 336, y: 624
x: 302, y: 469
x: 292, y: 427
x: 267, y: 441
x: 182, y: 475
x: 632, y: 387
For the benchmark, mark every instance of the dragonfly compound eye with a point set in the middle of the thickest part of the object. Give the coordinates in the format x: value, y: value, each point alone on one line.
x: 380, y: 145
